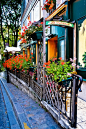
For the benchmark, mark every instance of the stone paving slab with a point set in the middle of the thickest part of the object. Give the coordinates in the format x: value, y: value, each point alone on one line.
x: 81, y: 114
x: 37, y: 117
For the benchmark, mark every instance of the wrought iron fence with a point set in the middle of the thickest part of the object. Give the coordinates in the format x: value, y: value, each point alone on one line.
x: 37, y: 88
x: 62, y: 96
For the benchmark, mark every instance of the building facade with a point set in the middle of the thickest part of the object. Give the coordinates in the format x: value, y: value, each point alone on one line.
x: 61, y: 39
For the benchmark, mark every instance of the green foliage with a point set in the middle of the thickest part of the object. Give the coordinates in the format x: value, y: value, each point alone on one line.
x: 32, y: 29
x: 84, y: 59
x: 60, y: 70
x: 10, y: 16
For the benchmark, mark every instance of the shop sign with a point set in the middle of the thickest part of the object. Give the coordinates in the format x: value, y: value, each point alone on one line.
x: 59, y: 23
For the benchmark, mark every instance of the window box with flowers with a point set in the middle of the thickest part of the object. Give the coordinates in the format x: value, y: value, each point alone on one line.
x: 19, y: 63
x: 31, y: 31
x: 59, y: 70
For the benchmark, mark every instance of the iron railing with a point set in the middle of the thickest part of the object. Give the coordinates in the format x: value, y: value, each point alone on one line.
x: 62, y: 96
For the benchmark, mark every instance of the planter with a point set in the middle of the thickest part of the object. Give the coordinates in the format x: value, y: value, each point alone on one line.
x: 82, y: 72
x: 17, y: 73
x: 37, y: 35
x: 31, y: 69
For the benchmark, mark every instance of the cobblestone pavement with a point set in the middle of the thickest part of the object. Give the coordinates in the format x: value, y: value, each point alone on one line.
x: 4, y: 122
x: 81, y: 114
x: 37, y: 117
x: 82, y: 94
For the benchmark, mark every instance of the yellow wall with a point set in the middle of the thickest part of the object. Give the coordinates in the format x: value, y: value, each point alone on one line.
x: 82, y: 41
x: 52, y: 48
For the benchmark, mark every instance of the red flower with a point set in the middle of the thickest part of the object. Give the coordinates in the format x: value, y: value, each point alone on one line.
x: 32, y: 57
x: 19, y: 32
x: 28, y: 24
x: 60, y: 58
x: 62, y: 63
x: 31, y: 53
x: 43, y: 65
x: 44, y: 75
x: 41, y: 22
x: 54, y: 59
x: 48, y: 62
x: 48, y: 83
x: 22, y: 27
x: 47, y: 66
x: 25, y: 27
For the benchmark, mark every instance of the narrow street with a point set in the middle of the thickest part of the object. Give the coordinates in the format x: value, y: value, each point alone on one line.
x: 43, y: 64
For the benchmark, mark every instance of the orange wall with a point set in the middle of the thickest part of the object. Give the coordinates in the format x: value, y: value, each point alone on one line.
x: 23, y: 52
x: 28, y: 51
x: 52, y: 49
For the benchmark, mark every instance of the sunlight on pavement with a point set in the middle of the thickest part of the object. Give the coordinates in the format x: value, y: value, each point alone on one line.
x: 25, y: 126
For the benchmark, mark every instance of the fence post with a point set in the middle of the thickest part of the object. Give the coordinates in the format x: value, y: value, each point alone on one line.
x: 74, y: 101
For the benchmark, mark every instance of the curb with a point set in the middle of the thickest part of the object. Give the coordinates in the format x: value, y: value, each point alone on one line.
x: 19, y: 113
x: 11, y: 115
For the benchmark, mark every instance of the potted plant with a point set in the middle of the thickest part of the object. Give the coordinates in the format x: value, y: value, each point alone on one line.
x: 59, y: 70
x: 49, y: 4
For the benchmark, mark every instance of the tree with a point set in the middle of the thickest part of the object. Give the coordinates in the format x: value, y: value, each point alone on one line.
x: 10, y: 12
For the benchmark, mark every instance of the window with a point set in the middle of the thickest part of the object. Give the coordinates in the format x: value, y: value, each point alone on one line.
x: 58, y: 2
x: 62, y: 49
x: 81, y: 41
x: 36, y: 12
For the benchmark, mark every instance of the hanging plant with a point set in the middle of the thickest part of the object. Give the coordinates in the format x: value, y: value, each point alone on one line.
x: 49, y: 4
x: 29, y: 30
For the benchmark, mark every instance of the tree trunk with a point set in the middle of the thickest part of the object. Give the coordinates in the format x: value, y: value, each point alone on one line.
x: 8, y: 35
x: 16, y: 38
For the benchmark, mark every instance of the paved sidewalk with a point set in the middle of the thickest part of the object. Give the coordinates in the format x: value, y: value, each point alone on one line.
x: 37, y: 117
x: 81, y: 114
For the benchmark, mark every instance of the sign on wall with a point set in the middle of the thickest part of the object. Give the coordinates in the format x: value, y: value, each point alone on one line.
x: 59, y: 23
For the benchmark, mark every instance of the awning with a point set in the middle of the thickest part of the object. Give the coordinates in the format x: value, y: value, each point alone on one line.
x: 12, y: 49
x: 56, y: 11
x: 27, y: 45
